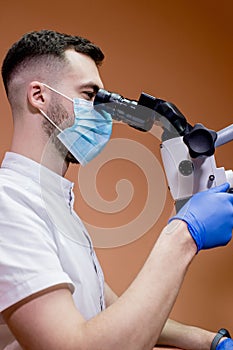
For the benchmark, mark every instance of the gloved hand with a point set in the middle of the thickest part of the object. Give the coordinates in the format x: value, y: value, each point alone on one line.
x: 226, y: 344
x: 209, y: 216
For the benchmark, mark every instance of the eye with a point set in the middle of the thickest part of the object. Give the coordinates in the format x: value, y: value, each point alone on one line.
x: 89, y: 94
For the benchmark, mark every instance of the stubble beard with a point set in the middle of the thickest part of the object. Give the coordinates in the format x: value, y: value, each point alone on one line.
x: 59, y: 115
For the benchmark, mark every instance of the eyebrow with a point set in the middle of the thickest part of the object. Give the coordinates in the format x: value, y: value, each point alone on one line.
x: 90, y: 85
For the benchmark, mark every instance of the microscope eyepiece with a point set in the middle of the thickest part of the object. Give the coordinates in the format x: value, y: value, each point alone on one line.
x: 122, y: 109
x: 142, y: 114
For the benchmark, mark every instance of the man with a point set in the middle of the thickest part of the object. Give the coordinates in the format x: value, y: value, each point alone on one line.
x: 53, y: 294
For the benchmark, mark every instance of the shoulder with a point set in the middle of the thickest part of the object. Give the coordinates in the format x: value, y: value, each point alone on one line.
x: 21, y: 206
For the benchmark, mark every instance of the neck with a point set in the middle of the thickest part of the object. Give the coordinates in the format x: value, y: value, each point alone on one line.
x: 42, y: 151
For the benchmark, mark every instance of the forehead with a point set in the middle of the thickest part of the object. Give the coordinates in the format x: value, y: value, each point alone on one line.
x: 82, y: 69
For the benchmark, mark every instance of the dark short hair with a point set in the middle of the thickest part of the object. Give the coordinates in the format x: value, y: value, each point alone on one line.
x: 45, y: 43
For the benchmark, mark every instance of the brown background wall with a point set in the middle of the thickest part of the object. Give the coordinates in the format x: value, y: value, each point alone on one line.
x: 180, y: 51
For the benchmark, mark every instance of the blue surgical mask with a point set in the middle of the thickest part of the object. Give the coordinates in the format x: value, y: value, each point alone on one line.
x: 89, y: 134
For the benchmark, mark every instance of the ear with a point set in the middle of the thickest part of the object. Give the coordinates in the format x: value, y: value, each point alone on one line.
x: 38, y: 95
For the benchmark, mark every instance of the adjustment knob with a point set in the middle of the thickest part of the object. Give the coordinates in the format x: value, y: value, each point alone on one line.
x: 200, y: 141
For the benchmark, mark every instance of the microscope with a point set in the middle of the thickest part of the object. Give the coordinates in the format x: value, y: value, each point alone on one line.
x: 187, y: 151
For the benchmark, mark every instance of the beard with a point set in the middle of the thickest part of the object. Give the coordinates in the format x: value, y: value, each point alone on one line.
x: 59, y: 115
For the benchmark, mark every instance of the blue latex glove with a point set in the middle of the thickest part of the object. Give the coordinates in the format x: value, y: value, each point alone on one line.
x: 209, y: 216
x: 226, y: 344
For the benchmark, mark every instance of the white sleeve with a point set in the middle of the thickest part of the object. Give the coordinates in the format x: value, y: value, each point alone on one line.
x: 28, y: 254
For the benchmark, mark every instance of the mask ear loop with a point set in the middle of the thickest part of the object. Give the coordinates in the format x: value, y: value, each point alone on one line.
x: 45, y: 115
x: 59, y: 93
x: 50, y: 120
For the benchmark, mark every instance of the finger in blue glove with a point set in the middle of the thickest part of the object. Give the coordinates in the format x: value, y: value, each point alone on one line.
x: 209, y: 217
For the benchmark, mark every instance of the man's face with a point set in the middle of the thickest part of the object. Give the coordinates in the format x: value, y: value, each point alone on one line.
x: 81, y: 79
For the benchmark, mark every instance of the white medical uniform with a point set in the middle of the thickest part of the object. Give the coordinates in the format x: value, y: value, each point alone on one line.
x: 42, y: 240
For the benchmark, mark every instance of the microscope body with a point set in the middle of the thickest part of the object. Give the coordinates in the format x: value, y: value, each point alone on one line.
x: 187, y: 151
x: 186, y: 175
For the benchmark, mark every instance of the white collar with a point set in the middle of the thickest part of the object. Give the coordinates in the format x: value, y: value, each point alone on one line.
x: 38, y: 173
